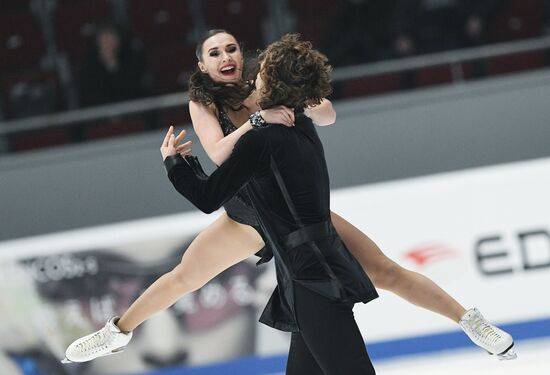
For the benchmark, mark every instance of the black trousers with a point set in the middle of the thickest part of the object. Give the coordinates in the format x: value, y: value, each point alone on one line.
x: 329, y: 341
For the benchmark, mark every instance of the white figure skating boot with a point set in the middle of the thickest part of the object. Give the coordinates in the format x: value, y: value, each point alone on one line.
x: 108, y: 340
x: 494, y: 340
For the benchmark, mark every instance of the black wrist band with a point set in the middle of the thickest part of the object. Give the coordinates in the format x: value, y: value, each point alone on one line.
x: 172, y: 160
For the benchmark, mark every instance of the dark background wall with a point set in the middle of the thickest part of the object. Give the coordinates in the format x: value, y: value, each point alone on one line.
x: 376, y: 139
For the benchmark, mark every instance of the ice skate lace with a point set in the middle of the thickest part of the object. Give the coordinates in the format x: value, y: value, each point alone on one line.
x: 94, y: 342
x: 483, y: 330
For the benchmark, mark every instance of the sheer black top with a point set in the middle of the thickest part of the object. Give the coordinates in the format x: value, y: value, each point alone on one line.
x: 238, y: 208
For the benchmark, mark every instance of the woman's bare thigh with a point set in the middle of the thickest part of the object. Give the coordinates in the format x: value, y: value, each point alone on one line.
x: 221, y: 245
x: 369, y: 255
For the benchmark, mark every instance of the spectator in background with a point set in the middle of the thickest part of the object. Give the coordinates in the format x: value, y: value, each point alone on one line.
x: 427, y: 26
x: 424, y: 26
x: 360, y: 32
x: 114, y: 71
x: 476, y: 17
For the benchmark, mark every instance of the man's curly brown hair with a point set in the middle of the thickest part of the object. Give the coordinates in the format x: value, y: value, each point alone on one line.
x: 294, y: 74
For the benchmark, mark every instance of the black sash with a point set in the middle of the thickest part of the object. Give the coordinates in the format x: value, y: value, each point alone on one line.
x: 307, y: 234
x: 310, y: 233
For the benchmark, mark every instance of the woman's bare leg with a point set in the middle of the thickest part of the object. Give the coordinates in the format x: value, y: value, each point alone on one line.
x: 386, y: 274
x: 221, y: 245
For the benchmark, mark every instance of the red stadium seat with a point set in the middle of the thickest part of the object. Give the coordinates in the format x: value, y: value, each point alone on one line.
x: 114, y: 127
x: 75, y: 26
x: 518, y: 20
x: 313, y: 18
x: 31, y: 93
x: 171, y: 66
x: 516, y: 63
x: 434, y: 75
x: 39, y: 139
x: 21, y: 42
x: 372, y: 85
x: 241, y: 18
x: 159, y: 22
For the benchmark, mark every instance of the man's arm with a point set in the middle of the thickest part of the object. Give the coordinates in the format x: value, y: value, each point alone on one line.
x: 209, y: 194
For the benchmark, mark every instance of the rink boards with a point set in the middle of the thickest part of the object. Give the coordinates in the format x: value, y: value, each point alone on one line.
x: 482, y: 234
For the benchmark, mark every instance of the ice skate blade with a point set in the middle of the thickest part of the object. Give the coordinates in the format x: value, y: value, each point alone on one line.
x: 507, y: 356
x: 114, y: 351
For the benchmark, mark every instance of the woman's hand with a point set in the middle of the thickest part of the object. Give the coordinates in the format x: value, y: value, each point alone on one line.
x: 278, y: 115
x: 170, y: 145
x: 322, y: 114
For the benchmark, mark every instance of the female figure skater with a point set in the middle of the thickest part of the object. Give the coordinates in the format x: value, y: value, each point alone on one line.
x: 220, y: 98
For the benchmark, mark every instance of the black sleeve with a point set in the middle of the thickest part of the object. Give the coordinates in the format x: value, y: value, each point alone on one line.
x: 210, y: 193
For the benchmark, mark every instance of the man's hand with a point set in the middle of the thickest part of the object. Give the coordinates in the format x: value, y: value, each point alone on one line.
x: 170, y: 146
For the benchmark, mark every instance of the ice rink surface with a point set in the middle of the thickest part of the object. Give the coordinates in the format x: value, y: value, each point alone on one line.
x: 533, y: 359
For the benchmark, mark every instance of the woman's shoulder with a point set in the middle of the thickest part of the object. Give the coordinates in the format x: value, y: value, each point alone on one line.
x: 196, y: 107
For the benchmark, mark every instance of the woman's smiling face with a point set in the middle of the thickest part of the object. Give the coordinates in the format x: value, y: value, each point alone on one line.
x: 222, y: 58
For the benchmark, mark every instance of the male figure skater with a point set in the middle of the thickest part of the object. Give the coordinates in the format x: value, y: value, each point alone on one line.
x: 284, y: 172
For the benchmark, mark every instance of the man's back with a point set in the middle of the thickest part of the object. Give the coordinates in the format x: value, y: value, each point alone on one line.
x: 298, y: 156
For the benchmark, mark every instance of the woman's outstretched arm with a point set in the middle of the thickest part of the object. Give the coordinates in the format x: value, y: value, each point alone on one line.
x: 217, y: 147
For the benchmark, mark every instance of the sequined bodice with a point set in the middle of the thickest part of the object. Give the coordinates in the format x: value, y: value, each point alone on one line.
x: 239, y: 208
x: 225, y: 122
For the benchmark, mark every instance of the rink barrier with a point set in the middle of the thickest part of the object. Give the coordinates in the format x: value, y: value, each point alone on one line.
x: 454, y: 58
x: 384, y: 350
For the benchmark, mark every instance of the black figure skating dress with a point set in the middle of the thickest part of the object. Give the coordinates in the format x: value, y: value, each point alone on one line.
x: 239, y: 208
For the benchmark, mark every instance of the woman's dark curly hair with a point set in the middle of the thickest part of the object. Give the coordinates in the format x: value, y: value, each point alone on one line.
x: 204, y: 90
x: 294, y: 74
